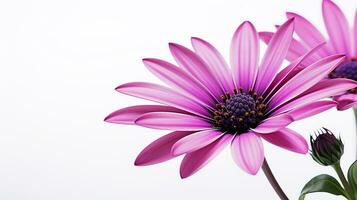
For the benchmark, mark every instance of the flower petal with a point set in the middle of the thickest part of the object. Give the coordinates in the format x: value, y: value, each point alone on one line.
x: 309, y: 34
x: 274, y: 56
x: 305, y: 79
x: 311, y: 109
x: 287, y: 139
x: 248, y: 152
x: 194, y: 161
x: 195, y: 141
x: 172, y: 121
x: 346, y: 101
x: 337, y: 27
x: 323, y: 89
x: 194, y: 65
x: 245, y: 55
x: 160, y: 150
x: 288, y: 72
x: 296, y: 49
x: 215, y: 61
x: 128, y: 115
x: 162, y: 95
x: 179, y: 79
x: 273, y: 124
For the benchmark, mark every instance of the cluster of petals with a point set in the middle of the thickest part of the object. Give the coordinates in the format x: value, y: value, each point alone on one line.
x: 199, y: 79
x: 342, y: 39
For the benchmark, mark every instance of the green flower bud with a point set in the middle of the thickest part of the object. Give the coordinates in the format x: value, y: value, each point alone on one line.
x: 326, y: 149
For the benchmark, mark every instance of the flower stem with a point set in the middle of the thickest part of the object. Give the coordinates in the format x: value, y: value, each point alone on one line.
x: 355, y: 114
x: 342, y: 177
x: 272, y: 181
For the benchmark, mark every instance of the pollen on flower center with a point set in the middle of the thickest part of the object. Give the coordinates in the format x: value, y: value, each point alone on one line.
x: 348, y: 70
x: 238, y: 112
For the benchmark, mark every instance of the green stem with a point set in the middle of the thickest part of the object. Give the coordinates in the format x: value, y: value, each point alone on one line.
x: 345, y: 184
x: 269, y: 174
x: 355, y: 114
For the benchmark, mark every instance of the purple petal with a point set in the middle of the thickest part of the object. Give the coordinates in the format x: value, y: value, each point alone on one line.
x: 310, y: 35
x: 296, y: 49
x: 288, y: 72
x: 194, y: 161
x: 346, y: 101
x: 215, y: 61
x: 194, y: 65
x: 311, y: 109
x: 162, y: 95
x: 248, y: 152
x: 245, y: 55
x: 323, y: 89
x: 159, y: 150
x: 195, y: 141
x: 128, y: 115
x: 273, y: 124
x: 178, y: 79
x: 287, y: 139
x: 308, y: 77
x: 337, y: 27
x: 172, y: 121
x: 274, y: 56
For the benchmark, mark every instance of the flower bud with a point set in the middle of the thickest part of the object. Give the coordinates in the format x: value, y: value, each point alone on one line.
x: 326, y: 149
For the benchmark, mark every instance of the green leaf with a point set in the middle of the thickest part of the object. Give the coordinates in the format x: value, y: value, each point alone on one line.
x: 323, y: 183
x: 352, y: 176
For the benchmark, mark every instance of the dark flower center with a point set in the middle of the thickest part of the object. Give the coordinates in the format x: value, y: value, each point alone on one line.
x: 348, y: 70
x: 239, y: 112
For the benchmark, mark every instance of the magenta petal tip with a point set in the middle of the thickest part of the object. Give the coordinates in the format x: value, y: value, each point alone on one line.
x: 291, y: 15
x: 118, y: 88
x: 138, y: 163
x: 197, y: 39
x: 145, y: 60
x: 107, y: 118
x: 173, y: 45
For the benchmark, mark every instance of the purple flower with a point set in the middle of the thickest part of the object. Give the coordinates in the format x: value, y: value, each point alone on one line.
x: 209, y: 105
x: 341, y: 40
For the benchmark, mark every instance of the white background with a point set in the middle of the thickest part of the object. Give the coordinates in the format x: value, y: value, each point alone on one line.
x: 60, y: 62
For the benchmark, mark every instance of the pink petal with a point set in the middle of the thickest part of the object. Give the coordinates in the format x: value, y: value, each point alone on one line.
x: 162, y: 95
x: 310, y: 35
x: 288, y: 72
x: 128, y: 115
x: 194, y: 65
x: 273, y: 124
x: 178, y: 79
x: 215, y: 61
x: 195, y: 141
x: 308, y: 77
x: 248, y: 152
x: 172, y: 121
x: 159, y: 150
x: 337, y: 27
x: 311, y: 109
x: 323, y: 89
x: 346, y: 101
x: 287, y: 139
x: 194, y: 161
x: 245, y: 55
x: 274, y: 56
x: 296, y: 49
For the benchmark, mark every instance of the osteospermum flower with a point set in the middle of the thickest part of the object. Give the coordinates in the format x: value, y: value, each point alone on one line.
x: 342, y: 39
x: 209, y: 105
